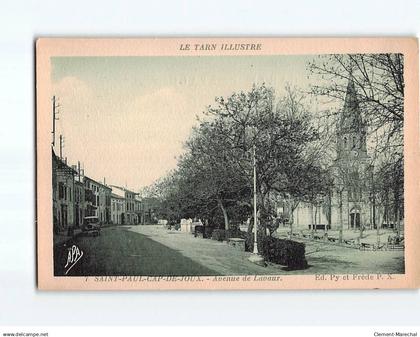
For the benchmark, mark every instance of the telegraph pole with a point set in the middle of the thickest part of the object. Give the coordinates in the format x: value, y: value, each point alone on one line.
x: 255, y: 256
x: 61, y: 146
x: 255, y: 202
x: 55, y: 113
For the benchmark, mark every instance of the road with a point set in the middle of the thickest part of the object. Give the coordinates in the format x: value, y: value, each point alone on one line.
x: 156, y: 251
x: 118, y: 251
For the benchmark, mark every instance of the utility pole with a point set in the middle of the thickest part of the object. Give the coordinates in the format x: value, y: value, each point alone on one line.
x: 255, y: 202
x: 78, y: 170
x: 55, y: 107
x: 61, y: 146
x: 255, y: 257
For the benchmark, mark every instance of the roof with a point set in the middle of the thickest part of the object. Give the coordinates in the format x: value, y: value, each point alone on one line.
x: 123, y: 189
x: 351, y: 118
x: 61, y: 165
x: 97, y: 182
x: 116, y: 196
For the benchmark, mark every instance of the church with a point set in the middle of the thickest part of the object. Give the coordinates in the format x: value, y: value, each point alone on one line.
x: 349, y: 203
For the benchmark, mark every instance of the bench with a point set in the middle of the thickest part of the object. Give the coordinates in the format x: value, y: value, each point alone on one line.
x: 237, y: 243
x: 319, y: 226
x: 367, y: 246
x: 199, y: 231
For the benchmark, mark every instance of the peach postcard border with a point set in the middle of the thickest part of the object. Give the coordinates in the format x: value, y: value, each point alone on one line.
x: 50, y: 47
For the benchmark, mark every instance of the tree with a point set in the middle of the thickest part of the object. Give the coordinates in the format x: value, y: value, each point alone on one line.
x: 204, y: 185
x: 280, y: 134
x: 215, y: 175
x: 379, y: 81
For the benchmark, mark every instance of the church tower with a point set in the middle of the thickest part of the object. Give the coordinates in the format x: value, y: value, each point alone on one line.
x: 351, y: 131
x: 352, y: 163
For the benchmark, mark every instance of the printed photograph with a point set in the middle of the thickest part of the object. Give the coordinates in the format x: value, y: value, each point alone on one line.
x: 227, y: 165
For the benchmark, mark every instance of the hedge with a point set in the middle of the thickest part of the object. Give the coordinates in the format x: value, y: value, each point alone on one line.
x: 205, y: 231
x: 208, y: 232
x: 219, y: 235
x: 284, y: 252
x: 222, y: 234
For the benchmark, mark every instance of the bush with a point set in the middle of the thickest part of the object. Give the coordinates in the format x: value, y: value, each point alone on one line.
x: 204, y: 231
x: 207, y: 233
x: 235, y: 233
x: 219, y: 235
x: 284, y: 252
x: 199, y: 230
x: 249, y: 241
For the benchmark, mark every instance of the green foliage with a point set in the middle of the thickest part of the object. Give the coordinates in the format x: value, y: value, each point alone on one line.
x: 214, y: 178
x: 208, y: 232
x: 219, y: 235
x: 284, y: 252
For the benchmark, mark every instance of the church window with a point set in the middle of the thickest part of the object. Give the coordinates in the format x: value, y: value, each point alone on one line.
x: 345, y: 142
x: 354, y: 142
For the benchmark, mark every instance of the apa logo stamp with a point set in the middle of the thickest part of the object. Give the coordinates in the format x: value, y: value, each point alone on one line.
x: 74, y: 254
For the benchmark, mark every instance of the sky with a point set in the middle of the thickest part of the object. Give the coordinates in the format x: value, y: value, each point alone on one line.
x: 126, y: 118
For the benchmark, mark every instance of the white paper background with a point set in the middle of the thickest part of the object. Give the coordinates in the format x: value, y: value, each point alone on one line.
x: 22, y: 21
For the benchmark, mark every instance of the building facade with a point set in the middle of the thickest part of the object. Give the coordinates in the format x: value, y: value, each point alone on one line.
x: 349, y: 203
x: 117, y: 209
x: 63, y: 187
x: 129, y: 216
x: 138, y: 208
x: 98, y: 199
x: 79, y: 203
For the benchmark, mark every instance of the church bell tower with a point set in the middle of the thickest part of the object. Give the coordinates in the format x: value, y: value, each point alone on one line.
x: 352, y: 161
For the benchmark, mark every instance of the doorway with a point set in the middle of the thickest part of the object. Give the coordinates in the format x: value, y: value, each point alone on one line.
x: 354, y: 218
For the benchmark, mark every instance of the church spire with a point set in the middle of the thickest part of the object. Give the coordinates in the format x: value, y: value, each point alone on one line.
x: 351, y: 131
x: 351, y: 117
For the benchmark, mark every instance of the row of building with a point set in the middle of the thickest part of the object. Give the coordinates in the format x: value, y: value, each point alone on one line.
x: 77, y: 196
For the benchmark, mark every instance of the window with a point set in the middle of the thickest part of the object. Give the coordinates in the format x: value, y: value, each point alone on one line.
x: 345, y: 142
x: 60, y: 191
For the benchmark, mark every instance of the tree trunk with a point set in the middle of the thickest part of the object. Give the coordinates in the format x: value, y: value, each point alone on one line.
x: 374, y: 210
x: 340, y: 206
x: 262, y: 212
x: 381, y: 217
x: 225, y: 215
x: 291, y: 217
x: 312, y: 218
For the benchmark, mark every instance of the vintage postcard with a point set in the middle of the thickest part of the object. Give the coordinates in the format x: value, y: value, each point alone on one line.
x: 227, y: 163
